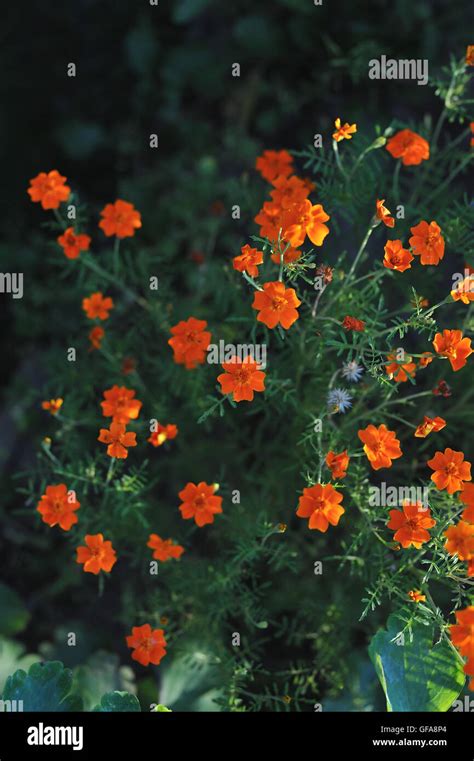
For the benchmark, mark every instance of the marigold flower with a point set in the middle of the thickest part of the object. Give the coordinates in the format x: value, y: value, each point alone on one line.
x: 148, y: 645
x: 241, y: 379
x: 408, y: 146
x: 270, y: 220
x: 337, y: 464
x: 343, y: 132
x: 120, y: 405
x: 305, y: 220
x: 416, y: 596
x: 399, y: 370
x: 425, y: 359
x: 380, y: 445
x: 460, y: 540
x: 53, y: 405
x: 274, y: 164
x: 199, y: 502
x: 450, y: 470
x: 462, y: 632
x: 464, y: 291
x: 410, y: 524
x: 57, y: 506
x: 276, y: 305
x: 326, y: 272
x: 442, y: 389
x: 248, y: 261
x: 451, y: 344
x: 120, y: 219
x: 163, y: 433
x: 429, y: 425
x: 352, y: 323
x: 320, y: 503
x: 382, y: 213
x: 427, y: 242
x: 289, y: 191
x: 189, y: 342
x: 97, y: 307
x: 95, y: 337
x: 290, y: 255
x: 73, y: 244
x: 470, y: 55
x: 49, y: 189
x: 164, y: 549
x: 98, y: 555
x: 117, y: 439
x: 396, y: 257
x: 467, y: 498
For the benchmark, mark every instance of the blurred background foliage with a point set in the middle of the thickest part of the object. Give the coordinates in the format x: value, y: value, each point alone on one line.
x: 167, y: 70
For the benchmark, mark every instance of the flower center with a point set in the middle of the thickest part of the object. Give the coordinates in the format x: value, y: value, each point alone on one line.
x: 278, y: 303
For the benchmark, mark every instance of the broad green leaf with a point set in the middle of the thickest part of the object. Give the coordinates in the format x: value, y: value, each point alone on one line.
x: 13, y: 657
x: 188, y: 683
x: 100, y: 675
x: 14, y: 614
x: 46, y: 687
x: 113, y: 702
x: 416, y: 675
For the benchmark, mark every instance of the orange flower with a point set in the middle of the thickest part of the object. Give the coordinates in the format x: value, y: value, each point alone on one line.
x: 451, y: 344
x: 120, y: 405
x: 425, y: 359
x: 163, y: 433
x: 471, y: 127
x: 470, y: 55
x: 117, y: 439
x: 427, y: 242
x: 241, y: 379
x: 352, y: 323
x: 343, y: 132
x: 274, y: 164
x: 199, y: 502
x: 337, y: 464
x: 120, y: 219
x: 290, y: 190
x: 396, y: 257
x: 97, y: 555
x: 429, y: 424
x: 467, y: 498
x: 149, y: 646
x: 164, y: 549
x: 380, y: 445
x: 408, y: 146
x: 53, y: 406
x: 400, y: 369
x: 464, y: 290
x: 410, y: 524
x: 460, y: 540
x: 304, y: 220
x: 382, y: 213
x: 189, y: 342
x: 276, y: 305
x: 450, y: 470
x: 73, y: 244
x: 95, y: 337
x: 248, y: 261
x: 49, y: 189
x: 320, y: 503
x: 416, y: 596
x: 270, y: 220
x: 290, y: 255
x: 96, y: 306
x: 462, y: 632
x: 57, y: 507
